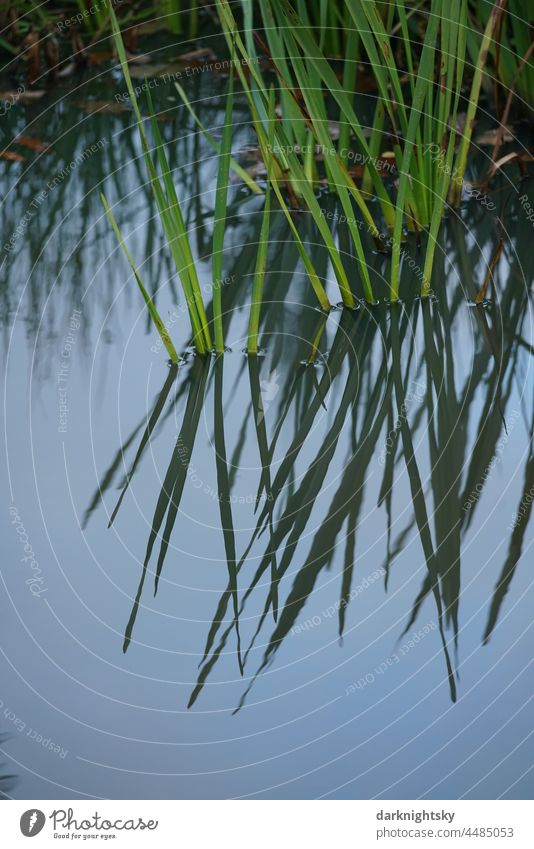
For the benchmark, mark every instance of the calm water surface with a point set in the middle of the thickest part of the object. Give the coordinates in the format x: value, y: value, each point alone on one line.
x: 368, y: 499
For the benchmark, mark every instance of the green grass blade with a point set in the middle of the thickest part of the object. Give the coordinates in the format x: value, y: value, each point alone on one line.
x: 219, y: 225
x: 259, y: 278
x: 424, y: 79
x: 461, y: 161
x: 189, y: 268
x: 160, y: 326
x: 169, y: 220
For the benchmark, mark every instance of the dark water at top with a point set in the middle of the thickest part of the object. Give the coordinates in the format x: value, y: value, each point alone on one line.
x: 368, y: 499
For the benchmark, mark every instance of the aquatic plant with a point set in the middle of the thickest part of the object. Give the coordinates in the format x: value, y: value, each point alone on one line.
x: 442, y: 435
x: 168, y: 206
x: 420, y: 118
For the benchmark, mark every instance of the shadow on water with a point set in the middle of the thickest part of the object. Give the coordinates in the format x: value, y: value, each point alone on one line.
x: 388, y: 392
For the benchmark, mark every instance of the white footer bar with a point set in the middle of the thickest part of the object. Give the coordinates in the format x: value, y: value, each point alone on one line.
x: 270, y: 824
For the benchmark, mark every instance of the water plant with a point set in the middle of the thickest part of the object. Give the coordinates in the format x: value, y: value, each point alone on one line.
x: 288, y: 168
x: 442, y: 437
x: 420, y: 116
x: 168, y: 206
x: 419, y: 93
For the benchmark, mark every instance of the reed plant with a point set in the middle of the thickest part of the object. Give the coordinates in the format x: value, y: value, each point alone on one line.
x: 174, y: 226
x: 169, y: 209
x: 422, y: 84
x: 290, y: 175
x: 419, y: 96
x: 421, y: 116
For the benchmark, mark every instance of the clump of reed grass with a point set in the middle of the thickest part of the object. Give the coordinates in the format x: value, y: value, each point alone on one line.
x: 289, y: 172
x: 420, y: 116
x: 173, y: 222
x: 168, y: 206
x: 420, y: 82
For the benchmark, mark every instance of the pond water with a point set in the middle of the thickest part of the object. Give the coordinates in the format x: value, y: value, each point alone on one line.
x: 368, y: 479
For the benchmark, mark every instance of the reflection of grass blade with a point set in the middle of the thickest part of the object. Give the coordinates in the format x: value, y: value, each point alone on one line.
x: 151, y: 424
x: 514, y: 551
x: 316, y: 339
x: 106, y: 480
x: 265, y: 478
x: 348, y: 497
x: 416, y: 488
x: 162, y: 330
x: 173, y: 484
x: 224, y: 497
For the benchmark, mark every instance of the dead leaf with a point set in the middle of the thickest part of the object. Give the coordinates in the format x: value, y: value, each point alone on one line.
x: 96, y: 57
x: 12, y: 156
x: 32, y: 144
x: 78, y: 50
x: 32, y: 55
x: 22, y: 96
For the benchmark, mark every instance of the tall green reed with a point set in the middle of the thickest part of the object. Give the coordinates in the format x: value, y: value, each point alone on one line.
x: 168, y: 206
x: 284, y: 160
x: 419, y: 95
